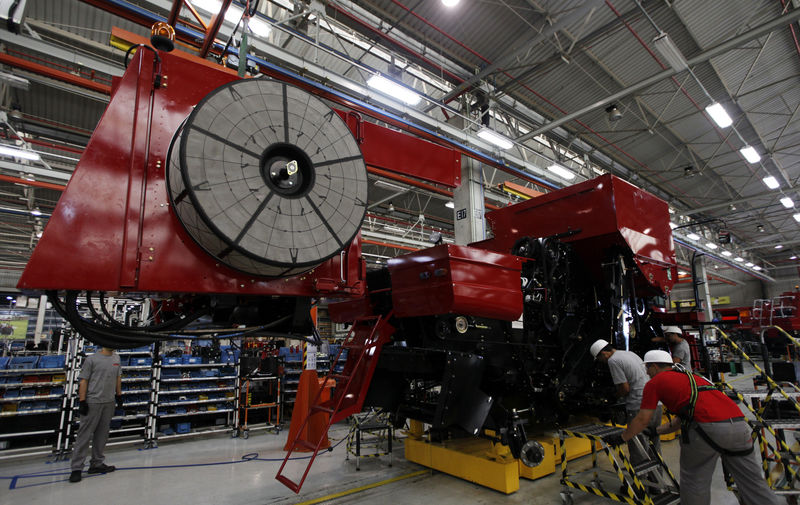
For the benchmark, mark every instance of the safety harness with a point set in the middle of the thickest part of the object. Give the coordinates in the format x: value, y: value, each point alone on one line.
x: 686, y: 414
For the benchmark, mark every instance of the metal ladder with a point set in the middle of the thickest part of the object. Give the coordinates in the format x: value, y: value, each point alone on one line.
x: 363, y: 345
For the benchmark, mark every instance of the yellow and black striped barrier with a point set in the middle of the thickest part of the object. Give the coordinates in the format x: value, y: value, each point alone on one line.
x: 770, y: 381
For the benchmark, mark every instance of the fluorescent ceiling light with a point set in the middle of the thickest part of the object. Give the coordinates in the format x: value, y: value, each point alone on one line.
x: 787, y: 202
x: 719, y: 115
x: 450, y: 3
x: 756, y: 267
x: 393, y: 89
x: 749, y: 264
x: 667, y: 48
x: 727, y: 253
x: 797, y: 217
x: 750, y: 154
x: 19, y: 153
x: 495, y: 138
x: 793, y: 257
x: 738, y: 259
x: 450, y: 205
x: 390, y: 185
x: 561, y: 171
x: 779, y: 246
x: 711, y: 245
x: 672, y: 225
x: 36, y: 212
x: 693, y: 236
x: 771, y: 182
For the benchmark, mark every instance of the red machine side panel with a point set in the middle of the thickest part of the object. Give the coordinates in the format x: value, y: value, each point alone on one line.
x: 594, y: 216
x: 113, y: 228
x: 405, y: 154
x: 458, y: 280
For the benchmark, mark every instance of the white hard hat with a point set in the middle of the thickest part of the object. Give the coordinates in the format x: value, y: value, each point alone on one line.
x: 672, y: 329
x: 658, y: 357
x: 597, y: 347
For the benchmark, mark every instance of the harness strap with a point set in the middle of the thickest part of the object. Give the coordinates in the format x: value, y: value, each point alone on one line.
x: 722, y: 450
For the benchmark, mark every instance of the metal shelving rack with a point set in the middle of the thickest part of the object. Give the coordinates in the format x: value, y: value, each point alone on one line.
x: 166, y: 406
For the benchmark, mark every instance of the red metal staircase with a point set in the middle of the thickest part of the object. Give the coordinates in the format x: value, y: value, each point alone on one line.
x: 363, y: 345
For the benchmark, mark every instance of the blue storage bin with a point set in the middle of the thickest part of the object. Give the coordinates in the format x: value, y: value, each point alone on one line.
x: 57, y: 390
x: 23, y: 362
x: 172, y: 360
x: 210, y: 372
x: 25, y: 406
x: 135, y: 361
x: 14, y: 379
x: 4, y: 362
x: 170, y: 373
x: 12, y: 393
x: 56, y: 361
x: 183, y: 427
x: 192, y: 360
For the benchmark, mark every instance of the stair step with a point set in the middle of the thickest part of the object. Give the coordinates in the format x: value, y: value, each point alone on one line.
x: 320, y: 408
x: 288, y: 482
x: 666, y: 498
x: 647, y: 466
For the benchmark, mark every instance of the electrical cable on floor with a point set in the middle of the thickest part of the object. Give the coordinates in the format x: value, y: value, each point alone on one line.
x: 252, y: 456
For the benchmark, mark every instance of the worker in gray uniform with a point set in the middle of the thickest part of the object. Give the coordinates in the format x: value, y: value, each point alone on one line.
x: 99, y: 389
x: 629, y: 376
x: 678, y: 346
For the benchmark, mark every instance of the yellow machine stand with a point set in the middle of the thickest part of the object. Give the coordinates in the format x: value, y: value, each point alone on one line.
x: 476, y: 460
x: 486, y: 463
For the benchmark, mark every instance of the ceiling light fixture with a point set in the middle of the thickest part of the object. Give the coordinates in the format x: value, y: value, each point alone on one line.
x: 693, y: 236
x: 727, y: 253
x: 711, y: 245
x: 672, y: 225
x: 757, y: 268
x: 750, y: 154
x: 670, y: 52
x: 613, y: 112
x: 779, y: 246
x: 739, y: 259
x: 771, y: 182
x: 793, y: 257
x: 749, y: 264
x: 393, y: 89
x: 787, y: 202
x: 797, y: 217
x: 719, y: 115
x: 450, y: 3
x: 19, y: 153
x: 495, y: 138
x: 450, y: 205
x: 561, y: 171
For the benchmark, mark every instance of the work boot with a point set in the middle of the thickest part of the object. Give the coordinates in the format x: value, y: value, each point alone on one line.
x: 75, y: 476
x: 101, y: 468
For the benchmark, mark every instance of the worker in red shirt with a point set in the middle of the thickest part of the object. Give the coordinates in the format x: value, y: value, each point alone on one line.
x: 712, y: 426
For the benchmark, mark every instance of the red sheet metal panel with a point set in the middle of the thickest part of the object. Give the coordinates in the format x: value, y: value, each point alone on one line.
x: 119, y: 188
x: 405, y: 154
x: 598, y: 214
x: 457, y: 280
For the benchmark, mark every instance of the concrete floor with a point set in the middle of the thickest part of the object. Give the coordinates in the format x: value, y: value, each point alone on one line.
x: 220, y: 475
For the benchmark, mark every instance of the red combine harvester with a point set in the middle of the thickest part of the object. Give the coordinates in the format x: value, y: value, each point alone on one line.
x: 236, y: 201
x: 751, y: 323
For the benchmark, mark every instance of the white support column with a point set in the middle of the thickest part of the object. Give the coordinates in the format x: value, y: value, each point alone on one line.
x: 468, y: 212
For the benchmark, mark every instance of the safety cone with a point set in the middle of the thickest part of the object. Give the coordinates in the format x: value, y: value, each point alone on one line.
x: 316, y: 428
